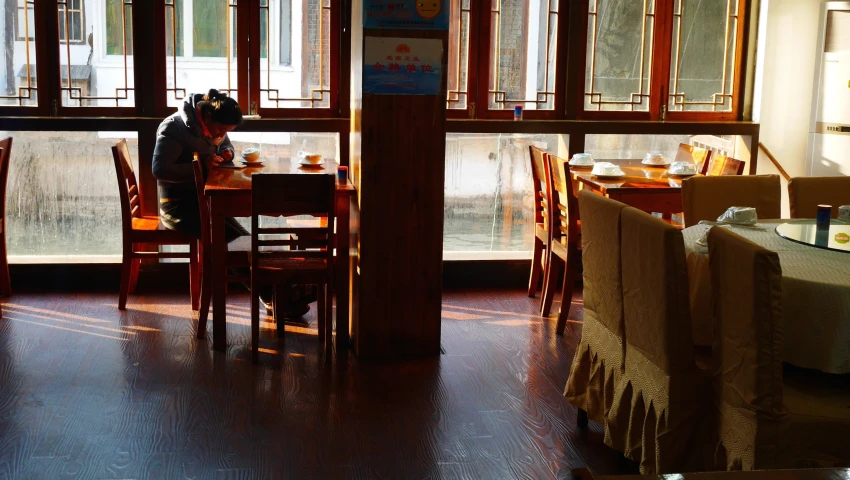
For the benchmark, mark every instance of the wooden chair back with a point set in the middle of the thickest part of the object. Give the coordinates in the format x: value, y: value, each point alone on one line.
x: 706, y: 198
x: 806, y: 193
x: 565, y: 209
x: 696, y: 155
x: 285, y: 194
x: 5, y: 154
x: 128, y: 189
x: 542, y: 186
x: 203, y: 206
x: 721, y: 165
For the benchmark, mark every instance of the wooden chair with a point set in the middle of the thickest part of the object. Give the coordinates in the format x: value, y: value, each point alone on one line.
x: 806, y: 193
x: 139, y: 230
x: 542, y: 200
x: 696, y: 155
x: 564, y: 238
x: 5, y: 154
x: 309, y: 259
x: 721, y: 165
x: 238, y: 253
x: 706, y: 198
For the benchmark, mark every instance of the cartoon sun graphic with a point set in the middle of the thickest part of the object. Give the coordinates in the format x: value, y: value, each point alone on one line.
x: 428, y: 9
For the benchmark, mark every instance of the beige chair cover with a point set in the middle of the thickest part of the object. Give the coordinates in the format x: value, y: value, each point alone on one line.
x: 659, y: 411
x: 765, y: 421
x: 706, y: 198
x: 806, y: 193
x: 598, y: 361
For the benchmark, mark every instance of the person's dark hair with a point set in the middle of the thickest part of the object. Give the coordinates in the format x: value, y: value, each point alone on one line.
x: 222, y: 109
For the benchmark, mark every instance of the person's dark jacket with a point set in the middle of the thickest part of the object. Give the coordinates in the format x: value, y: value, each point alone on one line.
x: 177, y: 139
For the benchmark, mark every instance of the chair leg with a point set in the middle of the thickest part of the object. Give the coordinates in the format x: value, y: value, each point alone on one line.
x: 135, y: 264
x: 567, y: 289
x: 534, y: 276
x: 206, y: 296
x: 126, y: 267
x: 194, y: 276
x: 278, y: 304
x: 581, y: 419
x: 329, y: 318
x: 255, y: 320
x: 320, y: 311
x: 553, y: 265
x: 5, y: 279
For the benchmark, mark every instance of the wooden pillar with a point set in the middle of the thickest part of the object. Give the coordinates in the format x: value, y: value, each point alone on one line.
x: 397, y: 161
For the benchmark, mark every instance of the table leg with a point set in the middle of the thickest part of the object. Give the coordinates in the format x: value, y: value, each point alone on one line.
x: 343, y: 270
x: 219, y: 272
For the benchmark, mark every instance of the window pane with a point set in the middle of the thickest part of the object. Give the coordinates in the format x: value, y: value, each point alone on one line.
x: 209, y: 27
x: 702, y: 68
x: 174, y: 27
x: 112, y: 86
x: 458, y: 94
x: 489, y: 199
x: 619, y: 55
x: 17, y: 72
x: 63, y: 195
x: 634, y: 147
x: 523, y: 44
x: 214, y: 64
x: 305, y: 83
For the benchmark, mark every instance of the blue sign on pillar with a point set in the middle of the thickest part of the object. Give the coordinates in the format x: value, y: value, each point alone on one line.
x: 406, y: 14
x: 402, y: 66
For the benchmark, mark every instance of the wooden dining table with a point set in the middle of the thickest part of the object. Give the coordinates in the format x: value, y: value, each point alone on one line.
x: 643, y: 187
x: 228, y: 190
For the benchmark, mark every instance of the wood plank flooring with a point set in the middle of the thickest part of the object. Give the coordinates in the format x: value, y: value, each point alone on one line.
x: 89, y: 392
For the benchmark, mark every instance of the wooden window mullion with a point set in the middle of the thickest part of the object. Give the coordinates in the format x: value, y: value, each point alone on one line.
x: 661, y: 58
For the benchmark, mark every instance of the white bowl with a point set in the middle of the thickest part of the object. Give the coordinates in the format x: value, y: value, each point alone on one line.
x: 654, y: 159
x: 682, y: 168
x: 582, y: 159
x: 251, y: 154
x: 606, y: 169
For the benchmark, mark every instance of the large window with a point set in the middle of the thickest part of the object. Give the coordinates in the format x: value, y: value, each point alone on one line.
x: 62, y: 197
x: 489, y: 197
x: 656, y: 59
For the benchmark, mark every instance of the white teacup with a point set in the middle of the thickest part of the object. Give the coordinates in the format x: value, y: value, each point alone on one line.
x: 654, y: 159
x: 682, y: 168
x: 844, y: 213
x: 607, y: 169
x: 582, y: 159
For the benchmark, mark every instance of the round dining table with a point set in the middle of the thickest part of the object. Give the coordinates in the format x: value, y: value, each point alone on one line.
x: 815, y: 295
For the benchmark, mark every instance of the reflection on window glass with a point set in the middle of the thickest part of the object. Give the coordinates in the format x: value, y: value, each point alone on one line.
x: 119, y: 22
x: 489, y: 198
x: 17, y: 73
x: 198, y: 32
x: 702, y: 69
x: 458, y: 80
x: 62, y: 195
x: 619, y: 55
x: 295, y: 48
x: 522, y: 70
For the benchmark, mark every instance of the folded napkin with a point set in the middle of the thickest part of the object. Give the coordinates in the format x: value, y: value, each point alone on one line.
x: 739, y: 216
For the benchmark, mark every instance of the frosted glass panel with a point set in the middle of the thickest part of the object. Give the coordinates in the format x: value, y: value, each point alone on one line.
x: 488, y: 204
x: 62, y: 195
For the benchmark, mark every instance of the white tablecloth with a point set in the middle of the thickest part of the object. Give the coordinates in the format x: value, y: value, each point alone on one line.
x: 815, y: 297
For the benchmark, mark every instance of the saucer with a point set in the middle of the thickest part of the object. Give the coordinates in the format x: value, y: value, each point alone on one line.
x: 304, y: 163
x: 657, y: 165
x: 255, y: 163
x: 680, y: 175
x: 586, y: 166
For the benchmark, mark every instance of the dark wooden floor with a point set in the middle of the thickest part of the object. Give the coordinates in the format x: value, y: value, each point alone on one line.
x: 89, y: 392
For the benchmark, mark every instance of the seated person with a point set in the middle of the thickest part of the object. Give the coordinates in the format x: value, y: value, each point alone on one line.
x: 201, y: 125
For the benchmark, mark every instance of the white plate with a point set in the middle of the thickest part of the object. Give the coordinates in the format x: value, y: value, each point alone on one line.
x: 304, y: 163
x: 609, y: 177
x: 581, y: 165
x: 255, y: 163
x: 680, y: 175
x: 657, y: 165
